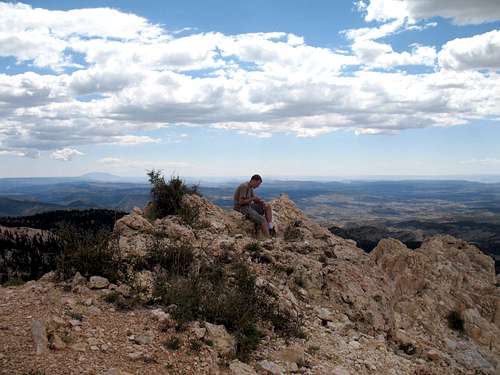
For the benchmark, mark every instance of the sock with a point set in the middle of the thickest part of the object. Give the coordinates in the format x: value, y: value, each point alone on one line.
x: 270, y: 225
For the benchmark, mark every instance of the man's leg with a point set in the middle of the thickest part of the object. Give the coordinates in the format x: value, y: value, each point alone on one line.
x: 268, y: 212
x: 255, y: 214
x: 265, y: 229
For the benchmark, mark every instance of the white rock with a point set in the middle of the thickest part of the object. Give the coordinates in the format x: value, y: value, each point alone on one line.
x: 160, y: 315
x: 224, y: 343
x: 143, y: 339
x: 77, y: 280
x: 98, y: 282
x: 269, y: 367
x: 239, y: 368
x: 39, y: 336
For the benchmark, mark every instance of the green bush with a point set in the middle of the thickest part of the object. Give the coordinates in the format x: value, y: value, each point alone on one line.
x: 167, y: 197
x: 90, y: 253
x: 223, y: 296
x: 172, y: 343
x: 175, y: 259
x: 13, y: 281
x: 253, y: 247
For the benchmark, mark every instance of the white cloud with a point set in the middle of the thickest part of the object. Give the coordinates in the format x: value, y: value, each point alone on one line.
x: 482, y: 162
x: 134, y: 139
x: 65, y: 154
x: 42, y: 36
x: 477, y: 52
x: 11, y: 153
x: 460, y: 11
x: 377, y: 54
x: 138, y: 78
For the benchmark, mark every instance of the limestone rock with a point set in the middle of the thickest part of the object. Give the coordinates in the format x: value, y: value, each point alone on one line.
x: 160, y: 315
x: 292, y: 354
x: 268, y: 367
x: 56, y: 343
x: 79, y: 347
x: 239, y: 368
x: 143, y: 339
x: 48, y: 277
x: 134, y: 221
x: 39, y: 335
x: 116, y: 371
x: 77, y: 280
x: 98, y: 282
x: 224, y: 343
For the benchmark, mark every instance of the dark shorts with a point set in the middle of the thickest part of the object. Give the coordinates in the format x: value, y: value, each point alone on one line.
x: 254, y: 212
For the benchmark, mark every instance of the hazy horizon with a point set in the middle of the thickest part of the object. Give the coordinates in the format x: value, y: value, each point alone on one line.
x: 485, y: 178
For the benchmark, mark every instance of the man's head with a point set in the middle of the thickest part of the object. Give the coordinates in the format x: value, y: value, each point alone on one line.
x: 255, y: 181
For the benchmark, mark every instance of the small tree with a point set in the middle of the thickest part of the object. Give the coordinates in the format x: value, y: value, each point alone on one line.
x: 167, y: 197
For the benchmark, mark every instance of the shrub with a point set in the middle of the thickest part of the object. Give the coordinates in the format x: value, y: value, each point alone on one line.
x: 172, y: 343
x: 13, y: 281
x: 174, y: 259
x: 90, y: 253
x: 195, y: 345
x: 252, y: 247
x: 167, y: 197
x: 190, y: 214
x: 223, y: 296
x: 75, y: 315
x: 121, y: 302
x: 455, y: 321
x: 111, y: 297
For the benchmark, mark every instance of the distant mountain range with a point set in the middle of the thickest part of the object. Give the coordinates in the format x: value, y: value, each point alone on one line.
x: 362, y: 210
x: 27, y: 196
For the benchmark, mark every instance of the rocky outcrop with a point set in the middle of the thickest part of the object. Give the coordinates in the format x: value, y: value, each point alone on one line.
x: 433, y: 310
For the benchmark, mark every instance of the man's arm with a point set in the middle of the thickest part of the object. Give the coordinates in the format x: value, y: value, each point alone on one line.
x: 244, y: 201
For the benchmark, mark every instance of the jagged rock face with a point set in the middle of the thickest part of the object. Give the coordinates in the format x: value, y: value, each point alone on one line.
x: 426, y: 285
x: 391, y: 305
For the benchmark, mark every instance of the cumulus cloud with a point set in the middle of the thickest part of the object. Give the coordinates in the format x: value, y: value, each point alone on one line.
x: 377, y: 54
x: 65, y: 154
x: 477, y: 52
x: 459, y: 11
x: 130, y: 76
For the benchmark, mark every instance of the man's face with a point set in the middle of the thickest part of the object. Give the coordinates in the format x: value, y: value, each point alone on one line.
x: 255, y: 183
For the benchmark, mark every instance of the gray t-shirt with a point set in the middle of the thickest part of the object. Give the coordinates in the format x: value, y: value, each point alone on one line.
x: 244, y: 190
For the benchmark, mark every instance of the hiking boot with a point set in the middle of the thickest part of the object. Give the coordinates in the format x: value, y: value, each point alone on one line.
x: 272, y: 232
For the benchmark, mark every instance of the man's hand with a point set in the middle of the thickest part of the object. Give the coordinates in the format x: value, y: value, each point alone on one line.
x: 258, y: 200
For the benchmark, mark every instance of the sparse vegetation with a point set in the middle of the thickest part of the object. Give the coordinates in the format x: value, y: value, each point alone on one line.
x: 456, y: 321
x: 37, y: 372
x: 195, y: 345
x: 75, y: 315
x: 174, y: 259
x: 120, y: 301
x: 167, y: 197
x: 13, y: 281
x: 172, y: 343
x: 25, y: 256
x: 90, y: 253
x: 253, y: 247
x: 223, y: 295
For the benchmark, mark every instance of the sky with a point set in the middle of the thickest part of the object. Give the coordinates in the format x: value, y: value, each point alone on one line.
x: 281, y: 88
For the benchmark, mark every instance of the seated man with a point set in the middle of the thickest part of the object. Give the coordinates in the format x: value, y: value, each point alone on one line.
x: 254, y: 208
